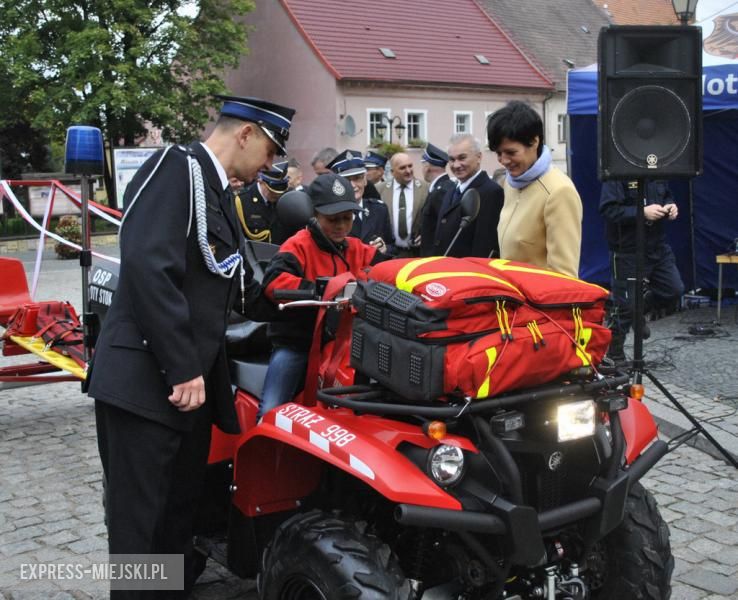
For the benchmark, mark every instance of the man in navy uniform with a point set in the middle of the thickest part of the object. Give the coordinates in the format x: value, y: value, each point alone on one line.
x: 618, y: 204
x: 433, y: 163
x: 374, y: 163
x: 372, y: 223
x: 159, y: 375
x: 256, y: 206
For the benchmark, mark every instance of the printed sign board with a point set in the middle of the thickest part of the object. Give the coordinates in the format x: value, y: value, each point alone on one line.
x: 126, y: 161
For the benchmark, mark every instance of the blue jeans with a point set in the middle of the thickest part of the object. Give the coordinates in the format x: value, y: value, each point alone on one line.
x: 284, y: 377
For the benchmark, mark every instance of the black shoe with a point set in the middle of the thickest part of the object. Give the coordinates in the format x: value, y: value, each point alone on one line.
x: 610, y: 364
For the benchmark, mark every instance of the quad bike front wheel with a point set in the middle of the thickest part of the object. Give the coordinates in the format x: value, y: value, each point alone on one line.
x: 634, y: 561
x: 317, y: 556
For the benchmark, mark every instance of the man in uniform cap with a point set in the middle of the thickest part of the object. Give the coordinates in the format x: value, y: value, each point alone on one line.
x: 433, y: 162
x: 256, y: 206
x: 159, y: 375
x: 372, y: 224
x: 374, y: 163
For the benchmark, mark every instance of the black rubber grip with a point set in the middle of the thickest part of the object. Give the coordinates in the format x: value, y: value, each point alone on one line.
x: 294, y: 294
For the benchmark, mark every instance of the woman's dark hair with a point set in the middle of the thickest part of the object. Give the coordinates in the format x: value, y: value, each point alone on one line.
x: 516, y: 121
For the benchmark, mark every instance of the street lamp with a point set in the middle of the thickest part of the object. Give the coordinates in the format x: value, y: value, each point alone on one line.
x: 684, y: 10
x: 399, y: 127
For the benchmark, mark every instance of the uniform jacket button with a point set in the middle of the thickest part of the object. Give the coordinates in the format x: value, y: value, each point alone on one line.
x: 145, y: 342
x: 443, y: 220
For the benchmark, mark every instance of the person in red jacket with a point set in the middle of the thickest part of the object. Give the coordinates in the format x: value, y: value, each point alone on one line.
x: 323, y: 249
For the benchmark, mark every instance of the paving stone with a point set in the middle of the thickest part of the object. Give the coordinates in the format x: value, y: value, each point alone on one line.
x: 728, y: 556
x: 721, y: 518
x: 89, y: 544
x: 706, y: 547
x: 26, y: 521
x: 60, y: 538
x: 711, y: 581
x: 19, y: 547
x: 694, y: 524
x: 687, y: 554
x: 24, y: 533
x: 686, y: 592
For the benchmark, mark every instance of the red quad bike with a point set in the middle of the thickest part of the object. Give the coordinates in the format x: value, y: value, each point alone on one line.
x: 352, y: 490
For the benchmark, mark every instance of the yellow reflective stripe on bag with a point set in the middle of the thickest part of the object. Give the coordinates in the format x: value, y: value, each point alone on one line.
x: 483, y: 390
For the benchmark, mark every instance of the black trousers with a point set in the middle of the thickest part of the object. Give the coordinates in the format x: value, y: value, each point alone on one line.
x: 154, y: 480
x: 664, y: 284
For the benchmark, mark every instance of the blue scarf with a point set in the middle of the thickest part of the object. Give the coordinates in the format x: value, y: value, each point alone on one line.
x: 536, y: 170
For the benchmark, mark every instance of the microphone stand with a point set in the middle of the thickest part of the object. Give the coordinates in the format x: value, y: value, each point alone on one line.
x: 638, y: 369
x: 464, y: 222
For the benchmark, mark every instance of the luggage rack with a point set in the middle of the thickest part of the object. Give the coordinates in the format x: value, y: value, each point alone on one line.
x: 368, y: 398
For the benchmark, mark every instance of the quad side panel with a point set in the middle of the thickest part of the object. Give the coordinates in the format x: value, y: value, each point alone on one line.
x: 280, y: 460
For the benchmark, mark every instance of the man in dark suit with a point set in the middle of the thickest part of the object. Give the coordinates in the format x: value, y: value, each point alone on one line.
x: 404, y: 197
x: 256, y: 206
x: 372, y: 223
x: 479, y: 238
x: 159, y: 374
x: 433, y: 163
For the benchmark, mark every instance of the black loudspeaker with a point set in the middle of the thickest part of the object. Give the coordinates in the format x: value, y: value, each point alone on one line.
x: 650, y: 102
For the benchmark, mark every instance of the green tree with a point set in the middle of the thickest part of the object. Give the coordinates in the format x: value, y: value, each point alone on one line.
x: 117, y: 64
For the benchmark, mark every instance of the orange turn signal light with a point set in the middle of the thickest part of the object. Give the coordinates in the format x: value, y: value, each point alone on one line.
x: 436, y: 430
x: 637, y: 391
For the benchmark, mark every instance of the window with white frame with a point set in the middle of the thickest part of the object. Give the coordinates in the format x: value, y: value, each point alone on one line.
x: 417, y: 128
x: 376, y: 120
x: 462, y: 121
x: 563, y: 129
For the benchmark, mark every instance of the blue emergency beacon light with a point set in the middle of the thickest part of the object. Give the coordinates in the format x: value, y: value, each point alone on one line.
x: 84, y: 151
x: 84, y: 156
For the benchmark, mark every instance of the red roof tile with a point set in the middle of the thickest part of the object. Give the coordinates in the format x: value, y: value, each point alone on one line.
x: 434, y: 42
x: 638, y: 12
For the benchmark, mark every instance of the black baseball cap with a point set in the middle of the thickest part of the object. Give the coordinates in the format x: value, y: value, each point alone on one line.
x: 332, y: 194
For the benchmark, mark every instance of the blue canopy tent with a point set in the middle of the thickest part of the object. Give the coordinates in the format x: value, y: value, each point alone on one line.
x: 709, y: 224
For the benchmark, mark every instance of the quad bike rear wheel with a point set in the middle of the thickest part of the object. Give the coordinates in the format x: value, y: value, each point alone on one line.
x: 634, y: 561
x: 317, y: 556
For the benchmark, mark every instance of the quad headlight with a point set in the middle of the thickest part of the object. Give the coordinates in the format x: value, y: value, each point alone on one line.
x: 446, y: 464
x: 576, y: 420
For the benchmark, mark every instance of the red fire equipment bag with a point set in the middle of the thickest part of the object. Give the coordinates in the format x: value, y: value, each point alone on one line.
x: 433, y: 327
x: 55, y: 322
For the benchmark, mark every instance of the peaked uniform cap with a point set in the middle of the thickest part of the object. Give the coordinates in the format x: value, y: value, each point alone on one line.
x: 374, y: 160
x: 276, y: 178
x: 348, y: 163
x: 435, y: 156
x: 274, y: 120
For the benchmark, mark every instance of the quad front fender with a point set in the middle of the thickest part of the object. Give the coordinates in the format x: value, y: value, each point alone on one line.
x: 639, y: 429
x: 280, y: 461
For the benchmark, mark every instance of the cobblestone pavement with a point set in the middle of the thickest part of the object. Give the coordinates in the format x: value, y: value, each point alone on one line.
x: 50, y: 484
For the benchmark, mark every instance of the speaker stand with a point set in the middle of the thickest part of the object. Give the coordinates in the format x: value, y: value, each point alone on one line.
x: 638, y: 369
